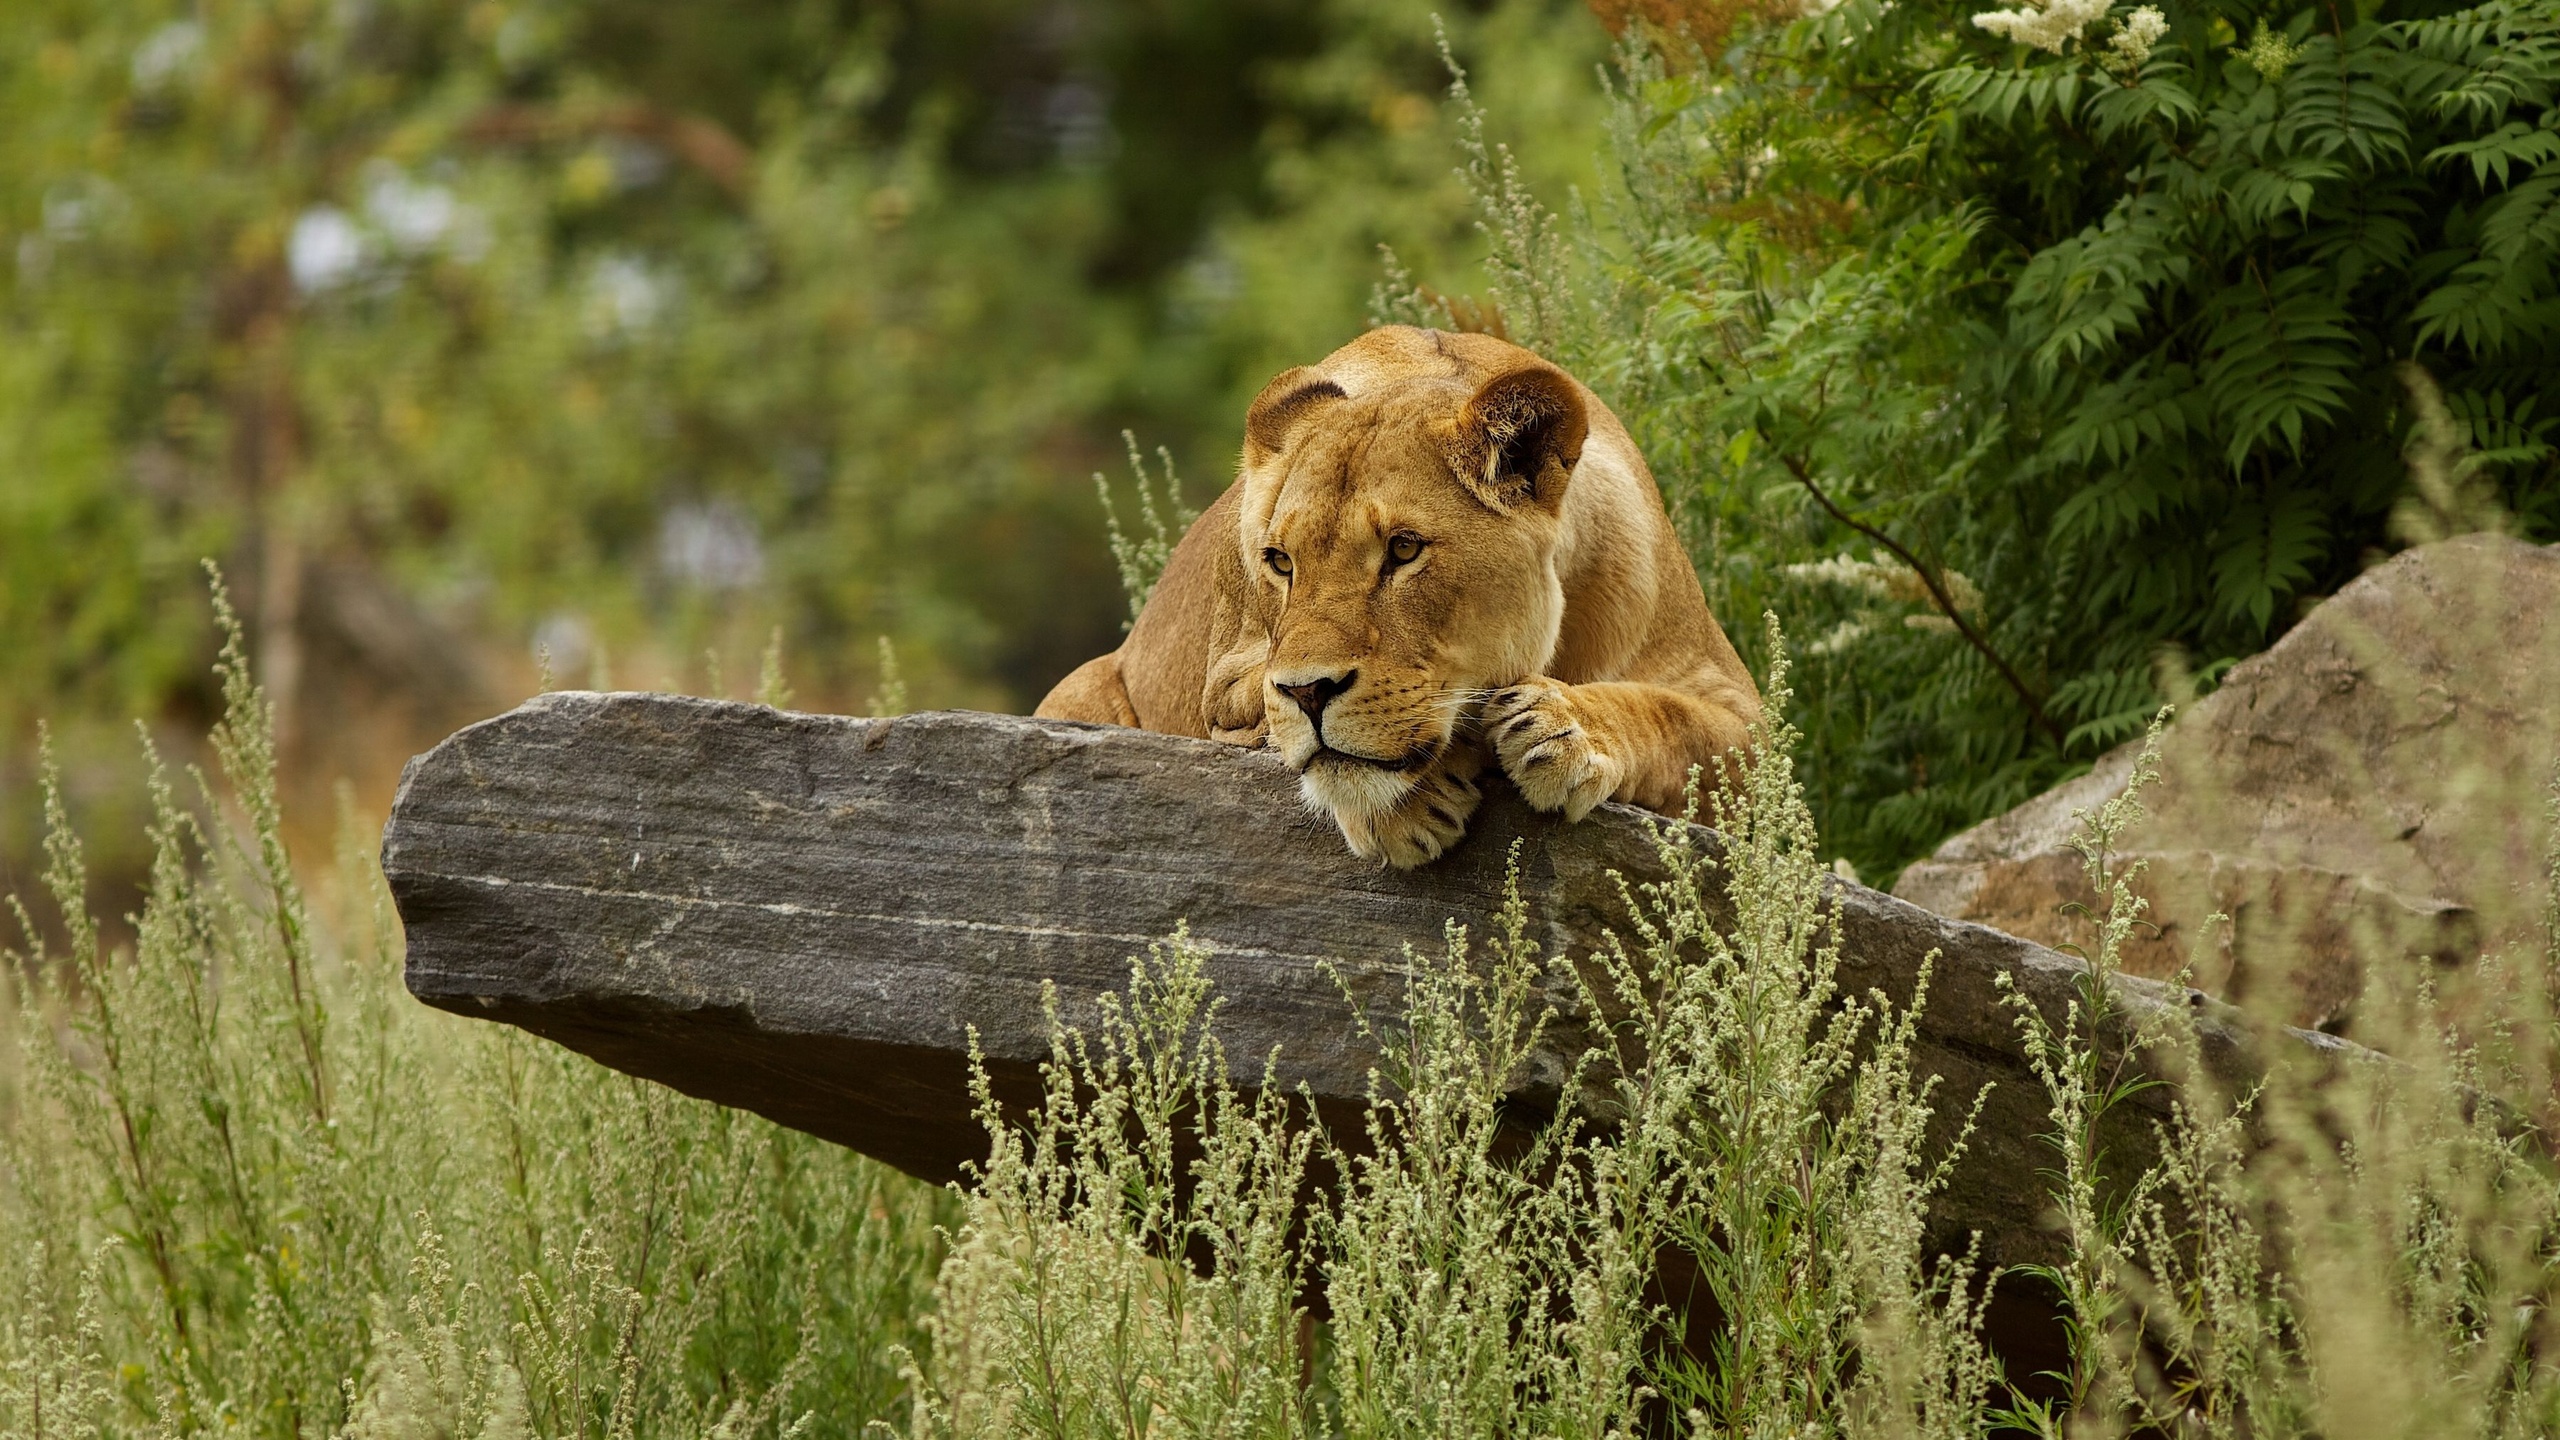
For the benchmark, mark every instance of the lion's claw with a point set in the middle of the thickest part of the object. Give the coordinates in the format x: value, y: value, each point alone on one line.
x: 1422, y: 826
x: 1546, y: 749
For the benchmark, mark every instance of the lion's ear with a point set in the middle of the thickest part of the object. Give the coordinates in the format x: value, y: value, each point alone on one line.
x: 1519, y: 437
x: 1281, y: 404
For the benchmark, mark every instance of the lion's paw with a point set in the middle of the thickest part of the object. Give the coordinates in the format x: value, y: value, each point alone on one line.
x: 1421, y: 827
x: 1547, y: 750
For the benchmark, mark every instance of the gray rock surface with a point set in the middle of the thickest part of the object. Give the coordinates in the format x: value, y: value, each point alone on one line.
x: 2372, y: 785
x: 807, y: 916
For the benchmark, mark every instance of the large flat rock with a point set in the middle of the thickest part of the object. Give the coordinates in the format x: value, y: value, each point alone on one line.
x: 807, y: 915
x: 2371, y: 787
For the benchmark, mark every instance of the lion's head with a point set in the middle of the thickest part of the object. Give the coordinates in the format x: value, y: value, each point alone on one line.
x: 1401, y: 548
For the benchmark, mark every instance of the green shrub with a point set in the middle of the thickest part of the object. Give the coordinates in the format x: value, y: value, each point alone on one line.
x: 2037, y: 385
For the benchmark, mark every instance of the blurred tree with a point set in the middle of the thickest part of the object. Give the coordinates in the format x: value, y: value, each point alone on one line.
x: 625, y: 330
x: 638, y: 314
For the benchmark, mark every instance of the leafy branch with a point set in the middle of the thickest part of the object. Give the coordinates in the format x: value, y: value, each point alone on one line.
x: 1938, y: 596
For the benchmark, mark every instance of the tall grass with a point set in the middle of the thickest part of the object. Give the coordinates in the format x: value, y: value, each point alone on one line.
x: 252, y: 1188
x: 2352, y: 1246
x: 247, y: 1186
x: 2336, y: 1244
x: 1479, y: 1277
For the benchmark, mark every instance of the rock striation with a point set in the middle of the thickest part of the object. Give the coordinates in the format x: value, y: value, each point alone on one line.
x: 811, y: 917
x: 2371, y: 786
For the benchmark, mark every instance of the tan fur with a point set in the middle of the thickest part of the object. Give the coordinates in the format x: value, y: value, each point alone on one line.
x: 1549, y: 621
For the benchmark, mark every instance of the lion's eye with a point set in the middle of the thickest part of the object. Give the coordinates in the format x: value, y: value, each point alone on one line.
x: 1277, y: 559
x: 1403, y: 549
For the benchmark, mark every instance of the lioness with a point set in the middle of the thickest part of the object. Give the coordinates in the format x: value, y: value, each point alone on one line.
x: 1438, y: 544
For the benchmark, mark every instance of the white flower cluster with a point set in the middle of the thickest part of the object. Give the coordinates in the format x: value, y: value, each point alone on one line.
x: 1844, y: 570
x: 1888, y: 580
x: 2134, y: 37
x: 2046, y: 24
x: 403, y: 219
x: 2270, y: 53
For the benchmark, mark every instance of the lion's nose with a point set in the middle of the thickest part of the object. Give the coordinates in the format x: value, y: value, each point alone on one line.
x: 1313, y: 695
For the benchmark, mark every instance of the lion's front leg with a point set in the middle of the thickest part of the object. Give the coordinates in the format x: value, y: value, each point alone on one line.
x: 1427, y: 821
x: 1569, y: 747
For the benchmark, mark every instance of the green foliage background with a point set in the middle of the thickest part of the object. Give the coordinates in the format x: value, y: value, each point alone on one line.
x: 2032, y: 387
x: 2125, y: 351
x: 634, y: 331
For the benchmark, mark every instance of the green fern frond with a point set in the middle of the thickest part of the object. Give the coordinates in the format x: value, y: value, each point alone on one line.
x: 2283, y: 359
x: 2264, y: 552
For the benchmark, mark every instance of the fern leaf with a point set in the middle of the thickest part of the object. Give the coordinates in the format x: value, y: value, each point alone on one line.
x: 2264, y: 552
x: 2522, y: 226
x: 2343, y: 98
x: 2281, y: 360
x: 2498, y: 152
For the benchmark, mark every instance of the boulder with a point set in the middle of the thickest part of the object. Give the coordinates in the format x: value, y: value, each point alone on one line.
x: 2371, y: 786
x: 813, y: 917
